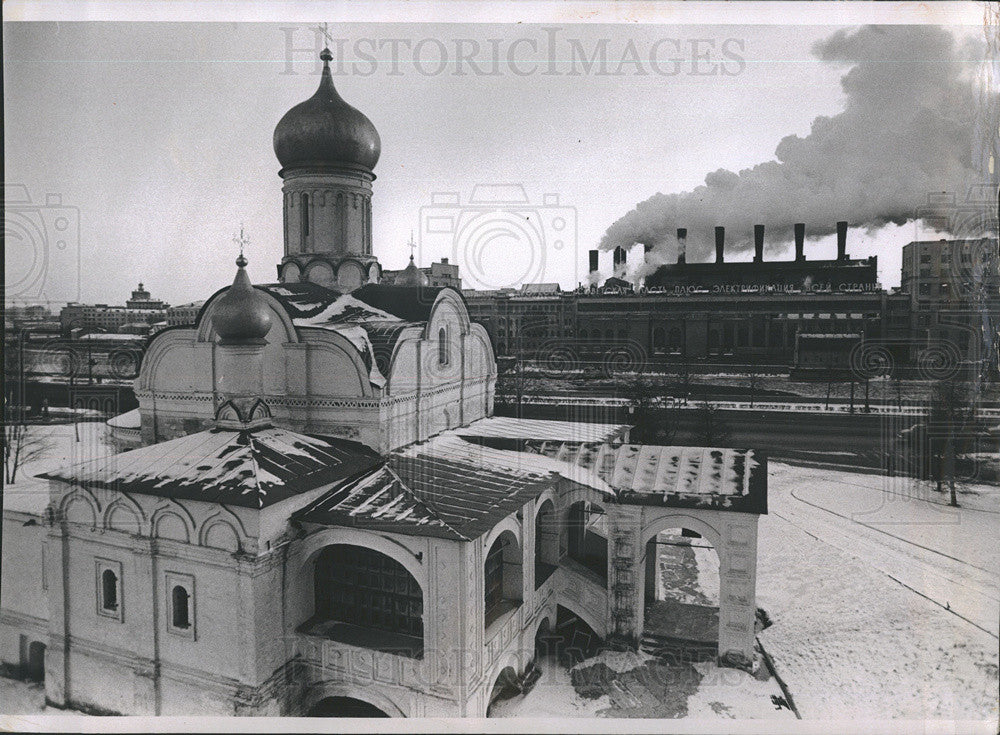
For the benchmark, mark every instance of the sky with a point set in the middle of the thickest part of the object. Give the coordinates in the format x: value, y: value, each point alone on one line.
x: 150, y: 144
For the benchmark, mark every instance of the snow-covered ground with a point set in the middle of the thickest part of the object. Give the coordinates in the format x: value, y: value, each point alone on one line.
x: 865, y: 584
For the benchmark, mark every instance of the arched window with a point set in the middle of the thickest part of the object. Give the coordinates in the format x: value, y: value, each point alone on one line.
x: 443, y: 346
x: 109, y: 590
x: 365, y: 588
x: 305, y: 219
x: 180, y: 608
x: 659, y: 337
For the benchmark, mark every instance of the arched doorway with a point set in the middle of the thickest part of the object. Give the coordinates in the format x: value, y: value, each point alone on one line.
x: 587, y: 537
x: 546, y: 542
x: 367, y: 599
x: 503, y: 577
x: 505, y: 687
x: 681, y: 613
x: 344, y: 707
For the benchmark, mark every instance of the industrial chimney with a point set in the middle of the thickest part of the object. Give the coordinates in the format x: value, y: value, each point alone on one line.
x: 758, y: 243
x: 621, y: 255
x: 841, y: 240
x: 800, y: 240
x: 720, y: 244
x: 593, y: 261
x: 682, y: 236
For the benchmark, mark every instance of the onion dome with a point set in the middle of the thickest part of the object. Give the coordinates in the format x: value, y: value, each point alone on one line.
x: 411, y: 276
x: 242, y: 314
x: 325, y: 130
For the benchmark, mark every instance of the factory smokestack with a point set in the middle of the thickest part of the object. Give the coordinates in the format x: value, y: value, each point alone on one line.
x: 758, y: 243
x: 841, y: 240
x: 621, y: 256
x: 682, y: 236
x: 593, y: 261
x: 720, y: 244
x: 800, y: 241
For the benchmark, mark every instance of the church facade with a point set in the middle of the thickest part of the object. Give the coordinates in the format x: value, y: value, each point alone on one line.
x: 319, y: 514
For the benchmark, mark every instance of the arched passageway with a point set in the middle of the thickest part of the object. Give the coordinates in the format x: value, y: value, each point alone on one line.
x: 503, y: 577
x: 505, y: 687
x: 546, y: 542
x: 36, y: 661
x: 587, y: 537
x: 365, y: 598
x: 344, y: 707
x: 681, y: 613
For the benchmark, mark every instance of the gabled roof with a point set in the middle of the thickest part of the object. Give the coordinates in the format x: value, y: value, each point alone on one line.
x: 248, y: 468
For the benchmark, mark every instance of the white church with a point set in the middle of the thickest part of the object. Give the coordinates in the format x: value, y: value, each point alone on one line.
x: 315, y: 511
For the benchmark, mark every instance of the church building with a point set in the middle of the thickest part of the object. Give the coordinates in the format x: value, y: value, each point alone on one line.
x: 315, y: 511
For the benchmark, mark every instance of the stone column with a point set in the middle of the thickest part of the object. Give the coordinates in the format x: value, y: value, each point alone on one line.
x: 625, y: 594
x: 737, y: 579
x: 142, y: 622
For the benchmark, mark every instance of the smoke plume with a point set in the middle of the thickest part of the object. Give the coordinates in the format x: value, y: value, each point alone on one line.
x: 911, y: 119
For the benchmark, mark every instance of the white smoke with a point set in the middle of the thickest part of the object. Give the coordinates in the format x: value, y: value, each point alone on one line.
x: 912, y: 124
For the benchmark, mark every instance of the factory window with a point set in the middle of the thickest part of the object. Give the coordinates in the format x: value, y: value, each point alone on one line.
x: 943, y: 289
x: 659, y: 337
x: 925, y: 258
x: 925, y: 289
x: 583, y: 334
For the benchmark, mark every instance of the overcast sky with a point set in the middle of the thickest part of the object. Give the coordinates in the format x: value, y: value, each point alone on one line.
x: 159, y: 137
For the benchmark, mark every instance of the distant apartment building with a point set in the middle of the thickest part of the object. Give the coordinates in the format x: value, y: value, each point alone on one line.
x: 136, y: 317
x: 183, y: 315
x: 438, y: 275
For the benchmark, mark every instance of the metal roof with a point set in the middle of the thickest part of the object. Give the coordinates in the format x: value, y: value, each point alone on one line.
x: 249, y: 468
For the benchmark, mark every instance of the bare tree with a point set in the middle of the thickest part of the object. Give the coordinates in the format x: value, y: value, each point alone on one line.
x: 710, y: 428
x: 22, y: 442
x: 951, y: 422
x: 652, y: 417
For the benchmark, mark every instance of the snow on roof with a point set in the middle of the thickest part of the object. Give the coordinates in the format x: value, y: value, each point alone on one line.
x: 516, y: 428
x: 127, y: 420
x: 94, y: 336
x: 430, y: 491
x: 248, y: 468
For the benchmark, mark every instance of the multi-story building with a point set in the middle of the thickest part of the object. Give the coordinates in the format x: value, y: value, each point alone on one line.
x: 184, y: 314
x: 953, y: 288
x: 141, y: 308
x: 439, y: 275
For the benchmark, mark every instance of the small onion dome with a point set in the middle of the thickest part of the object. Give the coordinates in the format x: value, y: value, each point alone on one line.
x: 411, y: 276
x: 242, y: 315
x: 325, y: 130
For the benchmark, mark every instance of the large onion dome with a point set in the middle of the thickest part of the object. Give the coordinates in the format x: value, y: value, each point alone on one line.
x: 242, y: 315
x: 325, y: 130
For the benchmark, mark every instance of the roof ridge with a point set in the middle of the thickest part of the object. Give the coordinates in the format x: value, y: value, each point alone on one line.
x: 430, y: 508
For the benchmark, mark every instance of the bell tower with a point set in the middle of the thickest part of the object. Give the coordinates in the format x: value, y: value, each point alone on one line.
x: 328, y: 151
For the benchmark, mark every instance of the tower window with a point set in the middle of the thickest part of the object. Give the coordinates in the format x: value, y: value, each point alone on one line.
x: 305, y: 218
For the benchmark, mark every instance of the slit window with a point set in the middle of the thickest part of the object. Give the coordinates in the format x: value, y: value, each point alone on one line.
x: 305, y: 217
x: 443, y: 346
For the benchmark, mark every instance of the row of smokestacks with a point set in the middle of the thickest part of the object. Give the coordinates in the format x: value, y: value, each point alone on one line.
x: 621, y: 255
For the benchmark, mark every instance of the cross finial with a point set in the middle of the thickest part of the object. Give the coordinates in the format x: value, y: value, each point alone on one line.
x: 413, y: 245
x: 242, y: 240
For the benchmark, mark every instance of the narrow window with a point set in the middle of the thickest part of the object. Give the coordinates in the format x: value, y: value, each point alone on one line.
x: 305, y: 219
x: 109, y: 590
x: 443, y: 346
x: 181, y: 607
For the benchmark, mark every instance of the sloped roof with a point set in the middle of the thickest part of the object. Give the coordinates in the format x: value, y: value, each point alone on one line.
x: 424, y: 491
x: 684, y: 477
x: 518, y: 428
x: 247, y: 468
